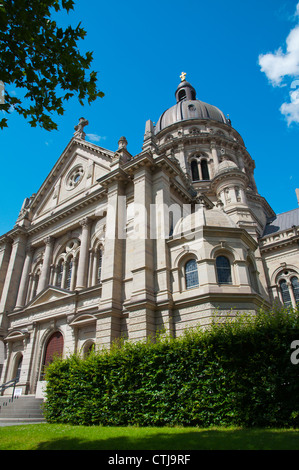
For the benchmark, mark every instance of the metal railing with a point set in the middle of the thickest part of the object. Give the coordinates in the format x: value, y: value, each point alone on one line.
x: 11, y: 383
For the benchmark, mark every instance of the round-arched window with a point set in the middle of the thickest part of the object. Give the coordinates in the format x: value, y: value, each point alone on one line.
x: 191, y: 274
x: 223, y: 267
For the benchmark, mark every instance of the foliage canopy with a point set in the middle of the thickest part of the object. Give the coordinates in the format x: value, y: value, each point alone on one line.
x: 44, y: 59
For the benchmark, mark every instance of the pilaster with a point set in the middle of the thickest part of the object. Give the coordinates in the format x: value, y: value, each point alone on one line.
x: 14, y: 272
x: 84, y: 254
x: 112, y: 267
x: 24, y: 279
x: 5, y: 251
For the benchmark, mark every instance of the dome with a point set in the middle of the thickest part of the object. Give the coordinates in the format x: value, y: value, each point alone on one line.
x: 226, y: 165
x: 188, y: 107
x: 207, y: 217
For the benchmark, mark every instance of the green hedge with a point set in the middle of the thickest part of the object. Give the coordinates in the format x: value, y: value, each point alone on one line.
x: 236, y: 373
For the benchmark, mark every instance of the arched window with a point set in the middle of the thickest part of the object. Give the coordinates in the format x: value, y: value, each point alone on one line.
x: 69, y: 274
x: 54, y: 348
x: 194, y: 171
x: 99, y: 270
x: 35, y: 283
x: 295, y: 287
x: 204, y: 170
x: 88, y: 348
x: 18, y: 367
x: 59, y: 274
x: 191, y: 274
x: 182, y: 95
x: 223, y: 268
x: 285, y: 293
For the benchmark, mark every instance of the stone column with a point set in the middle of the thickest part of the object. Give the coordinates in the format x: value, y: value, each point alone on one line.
x: 84, y: 254
x: 5, y: 250
x: 44, y: 277
x: 14, y: 271
x: 24, y: 279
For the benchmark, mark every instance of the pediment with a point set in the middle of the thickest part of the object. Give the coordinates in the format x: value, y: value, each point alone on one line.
x: 75, y: 173
x: 50, y: 294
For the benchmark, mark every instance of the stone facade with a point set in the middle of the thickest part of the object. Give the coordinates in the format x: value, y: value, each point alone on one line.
x: 120, y: 246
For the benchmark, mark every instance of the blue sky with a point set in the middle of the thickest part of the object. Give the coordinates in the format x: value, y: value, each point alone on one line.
x: 242, y: 57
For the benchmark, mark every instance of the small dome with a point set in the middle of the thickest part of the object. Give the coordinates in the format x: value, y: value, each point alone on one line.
x: 206, y: 217
x: 225, y: 166
x: 217, y: 218
x: 188, y: 107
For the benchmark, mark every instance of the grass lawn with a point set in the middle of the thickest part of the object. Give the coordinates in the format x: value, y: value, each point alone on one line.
x: 66, y: 437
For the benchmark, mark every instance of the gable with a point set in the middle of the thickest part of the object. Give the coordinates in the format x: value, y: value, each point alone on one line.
x: 49, y: 295
x: 75, y: 173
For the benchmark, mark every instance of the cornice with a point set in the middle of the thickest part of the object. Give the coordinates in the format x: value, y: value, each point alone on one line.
x: 13, y: 234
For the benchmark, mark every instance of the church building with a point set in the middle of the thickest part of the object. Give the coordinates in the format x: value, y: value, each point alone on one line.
x: 115, y: 245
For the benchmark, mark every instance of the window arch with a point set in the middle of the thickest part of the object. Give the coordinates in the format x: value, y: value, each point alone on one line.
x: 191, y: 274
x: 223, y: 268
x: 288, y: 287
x: 65, y: 263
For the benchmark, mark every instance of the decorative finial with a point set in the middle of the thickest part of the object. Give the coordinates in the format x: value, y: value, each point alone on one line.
x: 183, y: 76
x: 79, y: 128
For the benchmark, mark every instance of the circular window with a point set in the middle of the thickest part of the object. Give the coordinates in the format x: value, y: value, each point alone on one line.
x: 74, y: 177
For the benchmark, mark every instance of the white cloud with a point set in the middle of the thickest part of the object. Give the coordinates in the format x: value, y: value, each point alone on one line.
x: 280, y: 65
x: 291, y: 110
x: 95, y: 137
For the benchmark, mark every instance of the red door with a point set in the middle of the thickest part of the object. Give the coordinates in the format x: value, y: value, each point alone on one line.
x: 54, y: 348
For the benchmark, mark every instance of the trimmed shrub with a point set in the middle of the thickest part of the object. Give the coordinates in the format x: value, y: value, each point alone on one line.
x: 238, y: 372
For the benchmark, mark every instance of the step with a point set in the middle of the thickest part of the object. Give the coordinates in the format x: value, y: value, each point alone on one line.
x: 24, y: 409
x: 17, y: 421
x: 22, y: 414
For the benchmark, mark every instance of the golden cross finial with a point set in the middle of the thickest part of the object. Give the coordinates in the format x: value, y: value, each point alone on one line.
x: 183, y: 76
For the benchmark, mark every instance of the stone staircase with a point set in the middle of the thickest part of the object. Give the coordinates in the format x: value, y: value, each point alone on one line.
x: 25, y: 409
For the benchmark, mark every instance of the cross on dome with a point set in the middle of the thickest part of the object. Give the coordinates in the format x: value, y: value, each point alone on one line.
x: 183, y: 76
